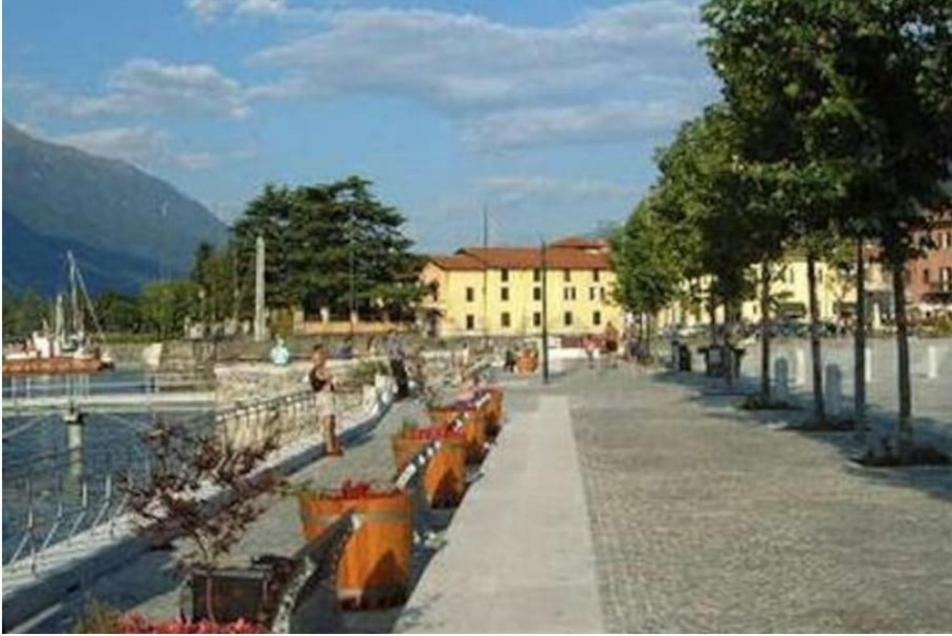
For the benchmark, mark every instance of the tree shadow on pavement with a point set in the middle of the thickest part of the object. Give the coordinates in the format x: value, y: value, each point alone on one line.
x: 723, y: 403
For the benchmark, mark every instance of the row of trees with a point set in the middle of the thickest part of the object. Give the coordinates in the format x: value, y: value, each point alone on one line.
x: 835, y: 125
x: 333, y: 246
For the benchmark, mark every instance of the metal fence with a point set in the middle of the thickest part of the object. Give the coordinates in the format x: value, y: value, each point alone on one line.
x: 57, y: 509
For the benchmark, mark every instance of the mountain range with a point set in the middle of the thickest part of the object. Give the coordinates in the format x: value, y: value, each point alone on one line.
x: 124, y: 226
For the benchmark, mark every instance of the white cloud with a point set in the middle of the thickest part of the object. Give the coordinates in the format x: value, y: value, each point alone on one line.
x: 140, y: 145
x: 211, y: 10
x: 463, y: 60
x: 610, y: 121
x: 146, y: 86
x: 517, y: 189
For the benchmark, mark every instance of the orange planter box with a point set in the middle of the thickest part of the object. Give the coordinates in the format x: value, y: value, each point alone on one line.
x: 374, y: 570
x: 445, y: 480
x: 405, y: 449
x: 474, y: 427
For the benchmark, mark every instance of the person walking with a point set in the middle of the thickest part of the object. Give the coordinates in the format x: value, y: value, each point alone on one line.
x: 610, y: 346
x: 589, y: 345
x: 509, y: 361
x: 398, y: 364
x: 322, y: 383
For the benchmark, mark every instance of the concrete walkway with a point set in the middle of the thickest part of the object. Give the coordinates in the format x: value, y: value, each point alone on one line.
x: 519, y: 554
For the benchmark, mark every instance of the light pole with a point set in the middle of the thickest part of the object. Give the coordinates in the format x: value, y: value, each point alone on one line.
x: 545, y: 316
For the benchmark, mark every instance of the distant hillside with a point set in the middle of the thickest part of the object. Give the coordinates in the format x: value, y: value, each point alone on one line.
x: 121, y: 223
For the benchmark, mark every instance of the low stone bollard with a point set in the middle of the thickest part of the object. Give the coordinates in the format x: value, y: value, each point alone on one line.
x: 801, y: 367
x: 782, y: 377
x: 834, y: 389
x: 932, y: 367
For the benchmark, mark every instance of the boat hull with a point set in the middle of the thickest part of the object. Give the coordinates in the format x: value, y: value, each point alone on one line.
x: 59, y: 365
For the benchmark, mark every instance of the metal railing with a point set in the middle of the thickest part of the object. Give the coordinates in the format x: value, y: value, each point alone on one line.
x: 80, y: 502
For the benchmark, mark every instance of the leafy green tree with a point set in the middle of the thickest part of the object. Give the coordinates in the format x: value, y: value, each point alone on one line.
x: 329, y: 245
x: 348, y: 250
x: 860, y: 90
x: 268, y: 215
x: 704, y: 186
x: 215, y: 273
x: 166, y: 306
x: 119, y: 313
x: 23, y: 313
x: 648, y: 265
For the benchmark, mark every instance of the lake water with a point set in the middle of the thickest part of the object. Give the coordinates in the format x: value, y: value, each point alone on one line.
x: 48, y: 463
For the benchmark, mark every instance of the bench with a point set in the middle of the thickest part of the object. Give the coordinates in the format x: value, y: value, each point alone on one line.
x: 272, y: 587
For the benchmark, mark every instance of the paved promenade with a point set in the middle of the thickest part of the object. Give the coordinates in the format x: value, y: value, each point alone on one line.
x: 703, y: 518
x: 518, y: 557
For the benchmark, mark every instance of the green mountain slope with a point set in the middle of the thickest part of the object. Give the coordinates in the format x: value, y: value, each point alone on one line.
x: 123, y: 224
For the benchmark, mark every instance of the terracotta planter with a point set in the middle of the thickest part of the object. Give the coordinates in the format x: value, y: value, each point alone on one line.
x: 493, y: 412
x: 444, y: 415
x: 374, y: 570
x: 527, y: 363
x: 405, y: 449
x: 445, y: 479
x: 474, y: 427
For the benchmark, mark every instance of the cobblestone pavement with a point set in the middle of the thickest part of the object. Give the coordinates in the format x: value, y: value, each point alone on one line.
x: 704, y: 519
x: 149, y: 585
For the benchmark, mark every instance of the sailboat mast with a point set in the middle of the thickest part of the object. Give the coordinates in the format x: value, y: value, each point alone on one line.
x: 77, y: 314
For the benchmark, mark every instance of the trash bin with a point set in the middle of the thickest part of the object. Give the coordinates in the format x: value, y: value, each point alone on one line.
x: 684, y: 358
x: 715, y: 360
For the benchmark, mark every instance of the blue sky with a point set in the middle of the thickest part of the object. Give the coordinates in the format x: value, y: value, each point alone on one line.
x: 545, y: 112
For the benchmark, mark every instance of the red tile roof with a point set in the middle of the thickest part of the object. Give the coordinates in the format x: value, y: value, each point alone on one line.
x: 478, y: 258
x: 456, y: 262
x: 580, y: 242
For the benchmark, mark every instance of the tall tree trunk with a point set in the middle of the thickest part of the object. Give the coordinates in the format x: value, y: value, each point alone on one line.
x: 905, y: 440
x: 819, y: 407
x: 648, y: 334
x: 712, y: 312
x: 765, y: 332
x: 728, y: 345
x: 859, y: 342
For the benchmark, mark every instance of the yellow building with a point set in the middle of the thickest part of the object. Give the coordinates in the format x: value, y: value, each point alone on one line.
x: 836, y: 296
x: 497, y: 291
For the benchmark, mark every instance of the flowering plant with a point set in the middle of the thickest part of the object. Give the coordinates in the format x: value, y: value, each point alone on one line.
x: 351, y: 490
x: 433, y: 433
x: 138, y: 624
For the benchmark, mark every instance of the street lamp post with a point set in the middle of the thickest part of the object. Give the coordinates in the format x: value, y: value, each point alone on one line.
x: 545, y: 317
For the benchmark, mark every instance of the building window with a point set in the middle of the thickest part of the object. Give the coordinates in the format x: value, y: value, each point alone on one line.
x: 536, y: 293
x: 504, y: 294
x: 567, y: 275
x: 470, y: 322
x: 925, y: 276
x: 567, y: 319
x: 470, y: 294
x: 601, y: 293
x: 504, y: 275
x: 591, y: 293
x: 537, y: 275
x: 595, y: 275
x: 568, y: 293
x: 596, y: 318
x: 537, y: 319
x: 504, y: 319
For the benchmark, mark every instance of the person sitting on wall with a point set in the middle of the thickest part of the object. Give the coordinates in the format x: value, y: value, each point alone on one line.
x: 322, y: 383
x: 280, y: 355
